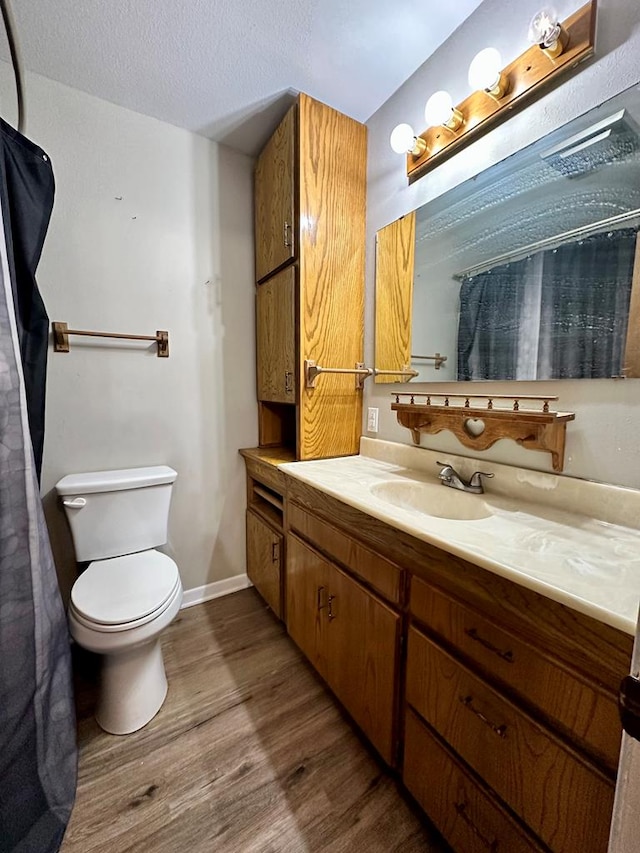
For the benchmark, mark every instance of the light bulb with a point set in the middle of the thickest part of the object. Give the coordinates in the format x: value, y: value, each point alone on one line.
x: 404, y: 141
x: 546, y: 31
x: 440, y: 110
x: 542, y: 26
x: 485, y: 72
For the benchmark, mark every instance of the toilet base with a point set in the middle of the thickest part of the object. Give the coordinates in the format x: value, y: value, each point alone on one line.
x: 133, y: 688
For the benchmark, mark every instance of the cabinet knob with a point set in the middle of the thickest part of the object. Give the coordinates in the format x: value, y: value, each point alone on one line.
x: 332, y: 615
x: 506, y: 655
x: 319, y: 603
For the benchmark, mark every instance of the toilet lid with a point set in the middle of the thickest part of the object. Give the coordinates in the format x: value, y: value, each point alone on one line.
x: 125, y: 589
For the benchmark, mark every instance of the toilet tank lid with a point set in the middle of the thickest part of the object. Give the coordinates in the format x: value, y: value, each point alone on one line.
x: 114, y: 481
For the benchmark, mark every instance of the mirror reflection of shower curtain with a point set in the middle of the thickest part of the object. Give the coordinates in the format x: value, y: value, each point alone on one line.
x: 561, y: 313
x: 37, y: 720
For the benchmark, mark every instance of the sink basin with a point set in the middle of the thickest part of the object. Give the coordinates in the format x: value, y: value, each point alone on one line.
x: 432, y: 499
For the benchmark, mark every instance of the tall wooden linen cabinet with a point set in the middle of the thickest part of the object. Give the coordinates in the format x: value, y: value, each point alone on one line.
x: 310, y: 194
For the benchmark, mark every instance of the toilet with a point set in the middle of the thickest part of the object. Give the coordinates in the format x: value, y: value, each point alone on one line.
x: 130, y: 592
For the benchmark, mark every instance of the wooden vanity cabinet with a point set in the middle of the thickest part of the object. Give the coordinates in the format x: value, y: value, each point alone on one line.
x: 503, y: 705
x: 310, y: 195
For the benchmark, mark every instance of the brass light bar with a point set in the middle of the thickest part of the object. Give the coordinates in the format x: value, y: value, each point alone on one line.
x: 531, y: 73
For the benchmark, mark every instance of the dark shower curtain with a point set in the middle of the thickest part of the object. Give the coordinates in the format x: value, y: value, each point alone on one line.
x: 37, y: 723
x: 581, y: 329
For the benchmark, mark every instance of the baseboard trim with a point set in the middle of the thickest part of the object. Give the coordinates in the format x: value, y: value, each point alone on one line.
x: 214, y: 590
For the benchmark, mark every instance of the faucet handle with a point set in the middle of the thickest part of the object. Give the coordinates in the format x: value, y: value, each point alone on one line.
x: 476, y: 477
x: 446, y: 472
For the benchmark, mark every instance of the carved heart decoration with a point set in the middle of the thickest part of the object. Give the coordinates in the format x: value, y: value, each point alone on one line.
x: 474, y: 427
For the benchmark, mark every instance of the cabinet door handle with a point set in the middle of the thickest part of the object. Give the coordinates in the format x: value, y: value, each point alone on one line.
x: 501, y: 730
x: 332, y: 615
x: 275, y: 552
x: 288, y: 382
x: 473, y: 633
x: 319, y: 603
x: 286, y: 231
x: 492, y: 846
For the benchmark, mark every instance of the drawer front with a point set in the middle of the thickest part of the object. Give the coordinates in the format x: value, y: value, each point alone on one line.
x: 583, y: 711
x: 265, y: 473
x: 469, y: 818
x: 563, y: 800
x: 383, y: 576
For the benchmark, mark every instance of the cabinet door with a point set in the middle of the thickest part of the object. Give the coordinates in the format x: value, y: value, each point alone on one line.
x: 362, y: 649
x: 274, y: 199
x: 264, y: 560
x: 307, y: 595
x: 275, y: 338
x: 349, y: 636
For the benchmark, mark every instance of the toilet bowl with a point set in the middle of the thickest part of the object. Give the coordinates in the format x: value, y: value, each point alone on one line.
x: 129, y: 593
x: 115, y: 614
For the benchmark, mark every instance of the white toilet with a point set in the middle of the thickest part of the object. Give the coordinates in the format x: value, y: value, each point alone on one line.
x: 129, y: 592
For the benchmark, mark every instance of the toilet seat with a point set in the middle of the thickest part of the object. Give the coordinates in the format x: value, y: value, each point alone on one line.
x: 124, y: 592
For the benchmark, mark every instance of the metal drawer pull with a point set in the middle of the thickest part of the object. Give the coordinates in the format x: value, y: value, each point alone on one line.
x: 332, y: 615
x: 473, y: 633
x: 275, y: 552
x: 287, y: 229
x: 461, y: 808
x: 319, y: 603
x: 467, y: 701
x: 288, y: 382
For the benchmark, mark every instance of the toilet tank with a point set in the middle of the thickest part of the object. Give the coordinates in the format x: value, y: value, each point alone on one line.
x: 112, y: 513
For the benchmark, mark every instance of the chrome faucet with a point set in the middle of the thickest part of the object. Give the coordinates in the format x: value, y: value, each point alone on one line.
x: 451, y: 478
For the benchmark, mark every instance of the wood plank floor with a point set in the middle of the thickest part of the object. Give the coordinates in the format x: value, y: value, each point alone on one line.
x: 249, y: 753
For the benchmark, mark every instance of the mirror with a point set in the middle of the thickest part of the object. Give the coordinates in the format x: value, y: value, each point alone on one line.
x: 531, y: 270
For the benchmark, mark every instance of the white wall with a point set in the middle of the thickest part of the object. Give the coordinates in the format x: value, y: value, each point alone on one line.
x: 602, y: 443
x: 175, y: 253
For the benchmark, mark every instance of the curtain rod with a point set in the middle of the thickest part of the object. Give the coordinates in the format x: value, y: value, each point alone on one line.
x: 518, y: 254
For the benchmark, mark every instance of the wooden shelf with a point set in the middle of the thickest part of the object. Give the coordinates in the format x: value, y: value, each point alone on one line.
x: 480, y: 427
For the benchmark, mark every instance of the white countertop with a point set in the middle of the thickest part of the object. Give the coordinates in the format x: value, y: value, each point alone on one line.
x: 573, y: 541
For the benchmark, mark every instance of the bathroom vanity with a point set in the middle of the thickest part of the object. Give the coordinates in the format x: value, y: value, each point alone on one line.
x: 478, y: 641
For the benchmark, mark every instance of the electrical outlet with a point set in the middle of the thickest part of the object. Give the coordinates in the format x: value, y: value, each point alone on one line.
x: 372, y: 420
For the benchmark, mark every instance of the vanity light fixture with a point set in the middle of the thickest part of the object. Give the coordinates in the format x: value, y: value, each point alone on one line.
x: 559, y: 47
x: 485, y: 72
x: 547, y: 32
x: 404, y: 141
x: 439, y: 110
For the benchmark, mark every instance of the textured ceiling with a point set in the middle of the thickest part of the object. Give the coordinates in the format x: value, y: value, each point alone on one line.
x: 228, y: 69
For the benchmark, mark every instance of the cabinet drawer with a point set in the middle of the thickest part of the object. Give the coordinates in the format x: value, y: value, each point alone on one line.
x: 469, y: 818
x: 583, y: 711
x: 565, y: 801
x: 382, y: 575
